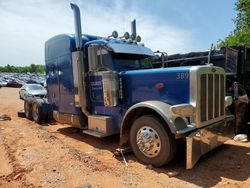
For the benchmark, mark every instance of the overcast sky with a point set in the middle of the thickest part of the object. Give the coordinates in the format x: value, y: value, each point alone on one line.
x: 174, y: 26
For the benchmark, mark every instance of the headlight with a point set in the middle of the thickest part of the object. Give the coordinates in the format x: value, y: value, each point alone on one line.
x: 182, y: 110
x: 228, y: 101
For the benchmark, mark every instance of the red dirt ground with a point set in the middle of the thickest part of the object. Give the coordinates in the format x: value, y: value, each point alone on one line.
x: 56, y: 155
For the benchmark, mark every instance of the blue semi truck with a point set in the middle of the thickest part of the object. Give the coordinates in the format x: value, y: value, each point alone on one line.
x: 107, y: 86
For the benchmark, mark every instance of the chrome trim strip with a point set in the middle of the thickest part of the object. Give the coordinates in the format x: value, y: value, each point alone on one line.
x: 193, y: 85
x: 75, y: 79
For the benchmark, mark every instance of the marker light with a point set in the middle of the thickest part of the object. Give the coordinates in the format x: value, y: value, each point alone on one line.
x: 133, y: 36
x: 182, y: 110
x: 138, y: 38
x: 126, y: 35
x: 159, y: 85
x: 115, y: 34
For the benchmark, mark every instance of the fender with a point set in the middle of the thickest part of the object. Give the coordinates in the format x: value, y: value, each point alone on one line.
x: 161, y: 108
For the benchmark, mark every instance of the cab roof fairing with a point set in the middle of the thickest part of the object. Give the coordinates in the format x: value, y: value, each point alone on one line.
x: 123, y: 47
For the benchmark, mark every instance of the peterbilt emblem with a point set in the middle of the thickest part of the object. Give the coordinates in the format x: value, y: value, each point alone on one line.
x: 213, y: 70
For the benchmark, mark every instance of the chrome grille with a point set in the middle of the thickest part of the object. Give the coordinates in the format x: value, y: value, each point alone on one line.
x: 211, y: 96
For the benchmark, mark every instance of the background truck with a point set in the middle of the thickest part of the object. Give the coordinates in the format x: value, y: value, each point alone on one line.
x: 107, y: 86
x: 236, y: 62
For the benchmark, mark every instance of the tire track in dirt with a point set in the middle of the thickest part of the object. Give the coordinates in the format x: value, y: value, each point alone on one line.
x: 18, y: 173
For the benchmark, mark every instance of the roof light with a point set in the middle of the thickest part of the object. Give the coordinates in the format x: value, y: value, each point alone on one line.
x: 138, y: 38
x: 126, y: 35
x: 133, y: 36
x: 114, y: 34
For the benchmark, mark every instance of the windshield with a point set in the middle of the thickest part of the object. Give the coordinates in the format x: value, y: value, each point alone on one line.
x: 126, y: 62
x: 35, y: 87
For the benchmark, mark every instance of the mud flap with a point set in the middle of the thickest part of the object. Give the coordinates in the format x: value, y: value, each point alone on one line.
x: 203, y: 140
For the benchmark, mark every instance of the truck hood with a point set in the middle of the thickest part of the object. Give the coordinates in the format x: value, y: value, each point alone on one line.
x: 170, y: 85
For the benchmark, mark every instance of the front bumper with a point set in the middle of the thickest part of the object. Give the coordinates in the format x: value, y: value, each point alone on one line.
x: 205, y: 139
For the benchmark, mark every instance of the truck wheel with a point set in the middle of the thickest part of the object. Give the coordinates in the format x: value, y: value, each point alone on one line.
x: 151, y: 142
x: 37, y: 111
x: 27, y: 107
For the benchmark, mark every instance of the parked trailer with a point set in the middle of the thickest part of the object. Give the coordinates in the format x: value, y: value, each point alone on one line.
x: 236, y: 62
x: 106, y: 86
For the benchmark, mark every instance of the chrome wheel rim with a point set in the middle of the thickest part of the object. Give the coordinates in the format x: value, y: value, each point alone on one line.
x: 148, y: 141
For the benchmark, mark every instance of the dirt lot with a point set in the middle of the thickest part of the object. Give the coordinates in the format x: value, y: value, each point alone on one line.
x: 56, y: 155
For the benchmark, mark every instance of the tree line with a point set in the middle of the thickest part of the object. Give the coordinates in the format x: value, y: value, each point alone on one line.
x: 18, y: 69
x: 241, y: 33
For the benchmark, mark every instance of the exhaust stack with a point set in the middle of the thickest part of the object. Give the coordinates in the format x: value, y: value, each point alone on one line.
x: 78, y: 66
x: 133, y: 27
x: 78, y: 27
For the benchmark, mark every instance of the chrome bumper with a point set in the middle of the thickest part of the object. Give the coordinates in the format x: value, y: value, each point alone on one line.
x: 205, y: 139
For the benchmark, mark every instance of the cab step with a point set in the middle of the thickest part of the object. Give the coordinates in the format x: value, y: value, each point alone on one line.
x: 100, y: 126
x: 96, y: 133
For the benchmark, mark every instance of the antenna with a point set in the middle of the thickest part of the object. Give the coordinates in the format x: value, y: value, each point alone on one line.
x: 209, y: 54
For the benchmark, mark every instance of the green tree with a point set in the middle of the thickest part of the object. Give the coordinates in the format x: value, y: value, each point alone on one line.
x: 32, y: 68
x: 241, y: 33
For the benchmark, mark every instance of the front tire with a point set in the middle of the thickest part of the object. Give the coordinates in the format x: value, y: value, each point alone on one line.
x: 151, y: 142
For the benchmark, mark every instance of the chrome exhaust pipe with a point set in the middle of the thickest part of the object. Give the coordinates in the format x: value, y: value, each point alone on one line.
x: 78, y: 66
x: 78, y: 27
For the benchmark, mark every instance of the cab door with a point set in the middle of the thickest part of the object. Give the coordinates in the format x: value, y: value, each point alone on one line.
x: 99, y: 61
x: 101, y: 77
